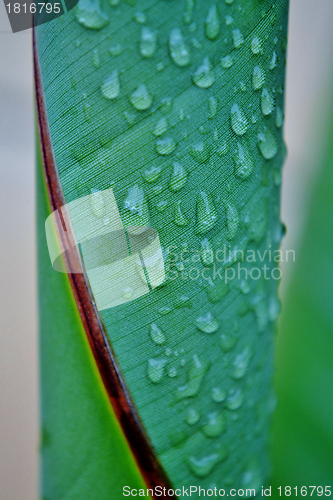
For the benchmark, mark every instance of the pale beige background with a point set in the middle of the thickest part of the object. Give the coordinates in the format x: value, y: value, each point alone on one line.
x: 309, y: 78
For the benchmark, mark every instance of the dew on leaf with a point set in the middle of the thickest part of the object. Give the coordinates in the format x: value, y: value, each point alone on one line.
x: 244, y: 163
x: 196, y: 374
x: 165, y: 146
x: 156, y: 334
x: 206, y: 252
x: 178, y: 177
x: 215, y: 425
x: 237, y: 38
x: 232, y: 220
x: 256, y: 45
x: 235, y: 399
x: 202, y: 467
x: 204, y: 76
x: 140, y: 98
x: 227, y: 342
x: 179, y: 217
x: 156, y: 369
x: 258, y: 78
x: 160, y: 127
x: 178, y: 50
x: 148, y: 42
x: 241, y: 363
x: 110, y: 88
x: 212, y: 25
x: 207, y: 323
x: 152, y: 174
x: 267, y: 102
x: 192, y: 416
x: 267, y: 144
x: 218, y: 395
x: 90, y: 15
x: 239, y: 121
x: 200, y: 152
x: 206, y: 213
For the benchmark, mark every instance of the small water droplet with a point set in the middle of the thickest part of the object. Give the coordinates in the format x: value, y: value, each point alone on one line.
x: 178, y: 177
x: 160, y: 66
x: 152, y: 174
x: 165, y: 146
x: 156, y: 334
x: 212, y: 25
x: 204, y: 76
x: 179, y: 217
x: 279, y: 117
x: 188, y: 13
x: 116, y: 49
x: 90, y: 15
x: 237, y: 38
x: 245, y: 286
x: 227, y: 61
x: 206, y: 213
x: 136, y: 204
x: 228, y: 2
x: 241, y: 364
x: 232, y: 220
x: 140, y: 17
x: 239, y: 122
x: 207, y: 323
x: 140, y: 98
x: 202, y: 467
x: 273, y: 61
x: 160, y: 127
x: 200, y: 152
x: 218, y: 395
x: 228, y: 20
x: 156, y: 369
x: 196, y: 374
x: 148, y: 42
x: 192, y: 417
x: 258, y: 78
x: 161, y: 205
x: 212, y: 106
x: 267, y: 102
x: 256, y: 45
x: 95, y: 58
x: 111, y: 86
x: 114, y: 3
x: 215, y: 425
x: 235, y: 399
x: 206, y: 252
x: 172, y: 372
x: 227, y: 342
x: 267, y: 144
x: 166, y: 105
x: 274, y: 308
x: 222, y: 149
x: 178, y: 50
x: 244, y: 163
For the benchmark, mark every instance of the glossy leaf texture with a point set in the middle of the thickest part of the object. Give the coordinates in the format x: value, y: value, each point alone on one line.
x: 178, y: 107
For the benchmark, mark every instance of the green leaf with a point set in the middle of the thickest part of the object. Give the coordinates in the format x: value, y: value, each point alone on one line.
x: 165, y: 84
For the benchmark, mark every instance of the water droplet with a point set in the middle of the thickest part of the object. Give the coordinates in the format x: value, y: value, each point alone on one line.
x: 97, y: 203
x: 274, y: 308
x: 218, y: 395
x: 160, y: 66
x: 212, y: 25
x: 204, y: 76
x: 137, y: 206
x: 245, y: 286
x: 239, y: 122
x: 152, y: 174
x: 129, y: 117
x: 172, y: 372
x: 244, y: 163
x: 178, y: 50
x: 227, y: 342
x: 235, y: 399
x: 237, y: 38
x: 279, y: 117
x: 148, y: 42
x: 156, y: 334
x: 202, y: 467
x: 215, y: 425
x: 95, y: 58
x: 207, y: 323
x: 200, y: 152
x: 166, y: 105
x: 212, y: 106
x: 232, y: 220
x: 241, y: 364
x: 178, y: 177
x: 165, y: 146
x: 267, y: 144
x: 179, y: 218
x: 188, y: 13
x: 228, y: 2
x: 267, y: 102
x: 116, y: 49
x: 89, y: 14
x: 114, y: 3
x: 252, y: 477
x: 256, y: 45
x: 227, y: 61
x: 111, y: 86
x: 206, y: 252
x: 140, y: 17
x: 156, y: 369
x: 273, y: 62
x: 228, y: 20
x: 258, y: 78
x: 160, y: 127
x: 161, y: 205
x: 140, y: 98
x: 206, y: 213
x: 192, y: 417
x: 196, y: 374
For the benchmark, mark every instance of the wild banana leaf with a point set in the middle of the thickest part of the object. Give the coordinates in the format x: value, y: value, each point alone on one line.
x: 174, y: 112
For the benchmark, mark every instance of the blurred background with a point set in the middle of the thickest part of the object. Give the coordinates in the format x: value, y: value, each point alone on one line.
x: 303, y: 430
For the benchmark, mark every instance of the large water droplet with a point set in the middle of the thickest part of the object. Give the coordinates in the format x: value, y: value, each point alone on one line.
x: 156, y: 334
x: 178, y: 177
x: 196, y: 374
x: 204, y: 76
x: 239, y: 122
x: 140, y: 98
x: 212, y: 25
x: 111, y: 86
x: 267, y: 102
x: 244, y: 163
x: 215, y: 425
x: 258, y: 78
x: 232, y: 220
x: 241, y: 363
x: 178, y: 50
x: 156, y: 369
x: 165, y: 146
x: 90, y: 15
x: 267, y: 144
x: 200, y: 152
x: 207, y: 323
x: 148, y: 42
x: 237, y: 38
x: 179, y: 217
x: 206, y: 213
